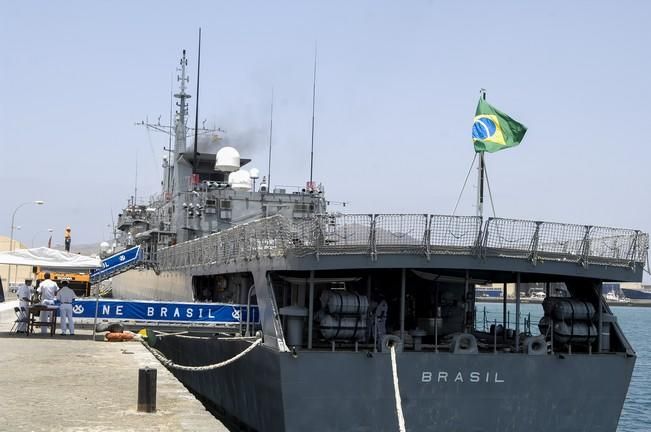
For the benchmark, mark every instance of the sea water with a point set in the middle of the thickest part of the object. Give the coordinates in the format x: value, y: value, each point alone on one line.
x: 636, y: 325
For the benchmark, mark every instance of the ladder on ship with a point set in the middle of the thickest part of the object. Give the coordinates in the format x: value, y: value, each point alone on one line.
x: 117, y: 263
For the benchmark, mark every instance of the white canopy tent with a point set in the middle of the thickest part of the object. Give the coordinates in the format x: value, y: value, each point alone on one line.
x: 49, y: 258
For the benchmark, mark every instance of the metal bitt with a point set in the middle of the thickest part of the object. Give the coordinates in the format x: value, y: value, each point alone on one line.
x: 147, y: 390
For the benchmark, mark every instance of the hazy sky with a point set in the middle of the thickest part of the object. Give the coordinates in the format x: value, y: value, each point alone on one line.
x: 397, y: 87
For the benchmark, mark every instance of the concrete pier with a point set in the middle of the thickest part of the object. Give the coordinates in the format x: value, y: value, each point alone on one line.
x: 65, y: 383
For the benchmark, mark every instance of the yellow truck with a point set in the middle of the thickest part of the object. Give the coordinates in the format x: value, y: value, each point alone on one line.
x: 79, y: 282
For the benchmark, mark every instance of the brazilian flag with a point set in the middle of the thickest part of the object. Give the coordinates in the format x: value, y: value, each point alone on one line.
x: 493, y: 130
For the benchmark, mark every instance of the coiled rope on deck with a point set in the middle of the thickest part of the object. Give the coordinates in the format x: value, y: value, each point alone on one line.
x: 396, y: 390
x: 170, y: 364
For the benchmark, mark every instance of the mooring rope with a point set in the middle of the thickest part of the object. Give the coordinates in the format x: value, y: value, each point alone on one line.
x: 184, y: 334
x: 160, y: 334
x: 169, y: 363
x: 396, y: 390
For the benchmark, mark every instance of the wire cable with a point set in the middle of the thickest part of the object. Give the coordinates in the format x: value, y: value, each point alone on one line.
x: 464, y: 185
x: 490, y: 193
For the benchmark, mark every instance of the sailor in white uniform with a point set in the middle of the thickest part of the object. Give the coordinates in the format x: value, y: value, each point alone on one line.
x: 66, y: 297
x: 24, y: 296
x: 48, y: 290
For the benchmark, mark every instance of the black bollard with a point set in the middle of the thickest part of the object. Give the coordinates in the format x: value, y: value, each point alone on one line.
x: 147, y: 390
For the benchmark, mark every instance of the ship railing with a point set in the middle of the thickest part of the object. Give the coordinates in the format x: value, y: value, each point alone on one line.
x: 413, y: 234
x: 386, y: 234
x: 265, y: 238
x: 583, y: 244
x: 485, y: 318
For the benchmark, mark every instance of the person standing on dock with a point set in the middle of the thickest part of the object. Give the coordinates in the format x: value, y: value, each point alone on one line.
x: 66, y: 296
x: 24, y: 298
x: 67, y: 239
x: 48, y: 290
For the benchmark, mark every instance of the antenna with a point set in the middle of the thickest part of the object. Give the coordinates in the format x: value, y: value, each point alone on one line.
x: 271, y: 133
x: 169, y: 142
x: 135, y: 186
x: 113, y: 227
x: 196, y: 110
x: 313, y: 102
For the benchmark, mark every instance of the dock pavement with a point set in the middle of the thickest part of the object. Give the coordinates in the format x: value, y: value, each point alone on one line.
x: 74, y: 383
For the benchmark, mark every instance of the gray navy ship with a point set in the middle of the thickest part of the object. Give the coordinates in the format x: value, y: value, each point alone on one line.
x: 340, y: 295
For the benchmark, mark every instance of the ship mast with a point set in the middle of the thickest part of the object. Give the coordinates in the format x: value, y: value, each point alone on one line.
x: 182, y: 96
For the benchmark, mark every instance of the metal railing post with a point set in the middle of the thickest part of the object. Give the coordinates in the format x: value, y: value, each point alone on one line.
x: 633, y: 250
x: 373, y: 238
x: 585, y: 246
x: 317, y: 233
x: 482, y: 238
x: 428, y: 236
x: 533, y: 256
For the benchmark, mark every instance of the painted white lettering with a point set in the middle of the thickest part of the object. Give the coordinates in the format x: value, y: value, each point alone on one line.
x: 474, y: 377
x: 487, y: 376
x: 443, y: 376
x: 150, y: 311
x: 163, y: 312
x: 210, y: 313
x: 176, y: 313
x: 188, y: 313
x: 118, y: 310
x: 497, y: 379
x: 458, y: 378
x: 106, y: 309
x: 427, y: 377
x: 200, y: 313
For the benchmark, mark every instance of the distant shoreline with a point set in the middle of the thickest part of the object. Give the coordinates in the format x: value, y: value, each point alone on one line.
x: 642, y: 303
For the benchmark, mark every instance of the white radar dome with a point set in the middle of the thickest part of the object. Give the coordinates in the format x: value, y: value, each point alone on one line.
x: 228, y: 160
x: 104, y: 246
x: 240, y: 180
x: 255, y: 173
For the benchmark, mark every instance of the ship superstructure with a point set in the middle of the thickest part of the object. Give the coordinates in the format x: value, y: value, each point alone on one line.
x: 336, y: 293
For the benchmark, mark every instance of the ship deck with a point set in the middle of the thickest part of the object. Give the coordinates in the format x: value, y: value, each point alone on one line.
x: 492, y: 249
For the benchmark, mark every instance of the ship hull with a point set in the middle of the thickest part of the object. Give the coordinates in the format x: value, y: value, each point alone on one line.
x: 145, y: 284
x: 353, y: 391
x: 271, y: 389
x: 637, y: 295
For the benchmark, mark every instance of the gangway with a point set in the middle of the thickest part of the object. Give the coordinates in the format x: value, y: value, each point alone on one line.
x: 117, y: 263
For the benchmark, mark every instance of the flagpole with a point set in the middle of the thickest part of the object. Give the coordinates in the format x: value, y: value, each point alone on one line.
x: 480, y: 175
x: 480, y: 189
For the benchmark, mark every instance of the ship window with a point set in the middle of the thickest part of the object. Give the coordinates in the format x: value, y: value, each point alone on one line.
x: 225, y: 209
x: 303, y: 209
